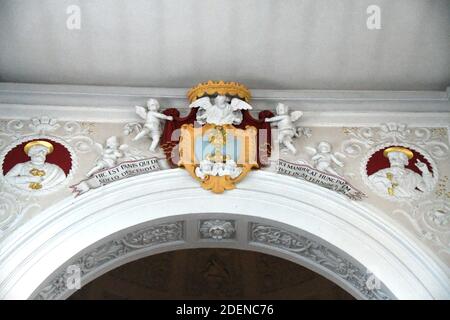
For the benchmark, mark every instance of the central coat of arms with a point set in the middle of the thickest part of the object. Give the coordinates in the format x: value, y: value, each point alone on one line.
x: 218, y: 142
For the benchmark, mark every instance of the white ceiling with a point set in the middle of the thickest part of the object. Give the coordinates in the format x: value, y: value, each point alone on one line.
x: 266, y: 44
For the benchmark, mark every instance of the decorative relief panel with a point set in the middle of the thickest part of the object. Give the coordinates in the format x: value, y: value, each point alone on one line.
x: 431, y: 217
x: 13, y: 210
x: 110, y: 251
x: 217, y: 229
x: 317, y: 253
x: 403, y: 165
x: 37, y: 157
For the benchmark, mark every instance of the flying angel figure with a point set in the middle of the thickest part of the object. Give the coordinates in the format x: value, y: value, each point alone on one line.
x: 221, y: 112
x: 109, y: 155
x: 285, y: 124
x: 324, y: 159
x: 153, y: 119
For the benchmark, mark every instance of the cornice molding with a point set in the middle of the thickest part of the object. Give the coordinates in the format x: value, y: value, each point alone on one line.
x: 20, y: 90
x: 327, y: 107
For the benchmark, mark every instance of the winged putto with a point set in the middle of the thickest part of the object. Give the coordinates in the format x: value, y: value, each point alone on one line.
x: 285, y: 123
x: 221, y: 112
x: 153, y: 119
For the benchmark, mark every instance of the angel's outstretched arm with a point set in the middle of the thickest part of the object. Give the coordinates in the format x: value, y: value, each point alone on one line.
x: 336, y: 161
x: 162, y: 116
x: 275, y: 118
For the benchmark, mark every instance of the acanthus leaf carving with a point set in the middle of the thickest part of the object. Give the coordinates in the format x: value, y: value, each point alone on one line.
x: 364, y: 138
x: 13, y: 209
x: 427, y: 212
x: 112, y: 250
x: 321, y: 255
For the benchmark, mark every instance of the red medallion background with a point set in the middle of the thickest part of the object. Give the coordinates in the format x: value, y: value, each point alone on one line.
x: 60, y: 156
x: 377, y: 161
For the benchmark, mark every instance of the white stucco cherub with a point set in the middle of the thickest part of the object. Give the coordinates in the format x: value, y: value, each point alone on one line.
x: 205, y: 168
x: 221, y: 112
x: 324, y: 159
x: 109, y: 155
x: 153, y: 119
x: 231, y: 169
x: 285, y: 124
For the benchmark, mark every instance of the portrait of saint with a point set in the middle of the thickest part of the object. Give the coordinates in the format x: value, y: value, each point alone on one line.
x: 36, y: 174
x: 399, y: 181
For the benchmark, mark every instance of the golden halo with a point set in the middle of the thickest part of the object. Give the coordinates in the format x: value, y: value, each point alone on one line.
x: 219, y: 87
x: 43, y: 143
x: 403, y: 150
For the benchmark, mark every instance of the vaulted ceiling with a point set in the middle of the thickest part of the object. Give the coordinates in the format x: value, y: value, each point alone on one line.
x: 266, y: 44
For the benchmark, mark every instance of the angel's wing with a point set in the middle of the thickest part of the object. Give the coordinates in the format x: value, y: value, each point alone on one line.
x: 131, y: 153
x: 296, y: 115
x: 141, y: 112
x: 238, y: 104
x: 202, y: 103
x: 311, y: 151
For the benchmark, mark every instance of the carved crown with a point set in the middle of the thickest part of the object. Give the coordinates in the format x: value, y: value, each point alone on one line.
x: 219, y: 87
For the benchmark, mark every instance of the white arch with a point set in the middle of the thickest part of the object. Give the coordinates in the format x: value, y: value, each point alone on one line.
x: 34, y: 255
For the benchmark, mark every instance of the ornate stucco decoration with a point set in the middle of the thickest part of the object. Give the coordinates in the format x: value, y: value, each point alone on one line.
x: 39, y: 138
x: 423, y: 143
x: 285, y: 123
x: 316, y: 253
x: 217, y: 229
x: 115, y: 162
x: 115, y: 250
x: 111, y: 251
x: 109, y: 155
x: 13, y: 209
x: 409, y: 173
x: 73, y: 137
x: 416, y: 153
x: 219, y: 141
x: 153, y: 120
x: 211, y: 88
x: 324, y: 159
x: 431, y: 217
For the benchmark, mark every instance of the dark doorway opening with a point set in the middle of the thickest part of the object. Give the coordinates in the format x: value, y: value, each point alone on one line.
x: 211, y: 274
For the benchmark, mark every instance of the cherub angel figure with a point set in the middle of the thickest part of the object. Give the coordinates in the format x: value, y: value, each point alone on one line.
x: 205, y: 168
x: 231, y: 169
x: 285, y: 123
x: 153, y: 119
x: 109, y: 155
x: 221, y: 112
x: 324, y: 159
